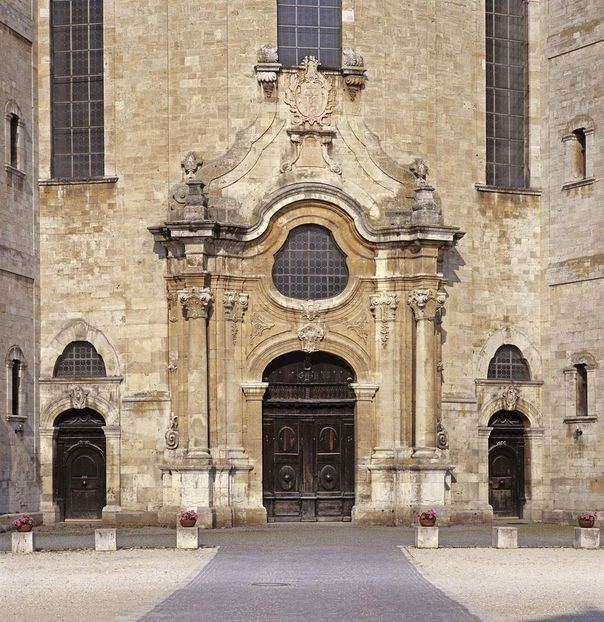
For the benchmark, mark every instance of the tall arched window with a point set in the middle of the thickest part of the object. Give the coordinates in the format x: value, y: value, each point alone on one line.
x: 506, y: 89
x: 310, y: 28
x: 79, y: 359
x: 77, y: 88
x: 310, y: 265
x: 508, y: 364
x: 16, y: 389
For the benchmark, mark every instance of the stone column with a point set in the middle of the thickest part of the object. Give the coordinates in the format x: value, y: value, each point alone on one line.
x: 484, y: 432
x: 533, y: 509
x: 48, y: 507
x: 112, y: 469
x: 426, y: 304
x: 196, y: 305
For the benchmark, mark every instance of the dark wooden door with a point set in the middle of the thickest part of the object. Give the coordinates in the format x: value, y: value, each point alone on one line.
x: 506, y: 465
x: 308, y: 439
x: 84, y: 482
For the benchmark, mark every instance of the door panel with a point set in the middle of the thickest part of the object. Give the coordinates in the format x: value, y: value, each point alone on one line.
x: 84, y: 478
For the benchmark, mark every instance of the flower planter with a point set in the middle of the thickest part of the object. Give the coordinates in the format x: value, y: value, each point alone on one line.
x: 24, y: 528
x: 586, y: 523
x: 427, y: 522
x: 184, y: 522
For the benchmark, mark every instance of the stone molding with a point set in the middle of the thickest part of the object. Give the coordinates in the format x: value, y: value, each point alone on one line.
x: 364, y: 392
x: 254, y: 391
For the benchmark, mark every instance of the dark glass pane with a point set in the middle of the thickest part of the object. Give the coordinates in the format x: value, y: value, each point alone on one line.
x: 329, y: 38
x: 61, y: 115
x: 61, y: 40
x: 330, y: 58
x: 79, y: 37
x: 307, y: 16
x: 80, y: 90
x: 330, y: 17
x: 61, y: 63
x: 96, y: 11
x: 62, y: 166
x: 79, y: 359
x: 308, y: 37
x: 79, y: 11
x: 287, y: 36
x: 60, y: 12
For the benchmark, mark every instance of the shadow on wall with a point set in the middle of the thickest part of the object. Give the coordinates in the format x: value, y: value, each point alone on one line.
x: 6, y: 464
x: 590, y: 615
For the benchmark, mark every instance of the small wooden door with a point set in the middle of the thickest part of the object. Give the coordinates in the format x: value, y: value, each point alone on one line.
x: 84, y: 482
x: 308, y: 439
x: 506, y: 465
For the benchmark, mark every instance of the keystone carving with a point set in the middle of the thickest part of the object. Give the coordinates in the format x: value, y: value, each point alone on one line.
x: 259, y: 325
x: 311, y: 335
x: 310, y: 96
x: 196, y: 302
x: 426, y: 303
x: 310, y: 310
x: 268, y: 68
x: 353, y: 71
x: 383, y: 306
x: 79, y: 397
x: 509, y: 397
x: 235, y: 305
x: 172, y: 439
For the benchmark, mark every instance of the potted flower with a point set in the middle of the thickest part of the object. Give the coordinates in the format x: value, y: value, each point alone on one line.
x: 24, y: 523
x: 427, y: 518
x: 587, y: 519
x: 188, y: 518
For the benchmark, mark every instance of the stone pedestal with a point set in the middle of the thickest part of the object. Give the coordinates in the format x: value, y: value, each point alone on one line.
x: 586, y: 538
x: 426, y: 537
x: 105, y: 540
x: 22, y: 542
x: 505, y: 538
x: 187, y: 537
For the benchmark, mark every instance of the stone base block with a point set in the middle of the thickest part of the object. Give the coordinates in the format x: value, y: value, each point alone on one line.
x: 505, y: 538
x: 586, y: 538
x: 248, y: 517
x: 105, y: 540
x: 22, y: 542
x: 223, y: 517
x: 187, y: 537
x: 426, y: 537
x: 370, y: 515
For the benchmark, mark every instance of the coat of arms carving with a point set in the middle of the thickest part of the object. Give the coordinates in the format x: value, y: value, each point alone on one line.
x: 310, y: 96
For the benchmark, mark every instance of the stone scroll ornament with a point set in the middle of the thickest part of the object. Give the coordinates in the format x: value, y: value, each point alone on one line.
x: 311, y: 336
x: 172, y: 439
x: 383, y: 306
x: 442, y: 436
x: 235, y: 305
x: 79, y: 398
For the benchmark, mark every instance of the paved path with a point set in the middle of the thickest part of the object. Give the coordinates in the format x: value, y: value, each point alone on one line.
x: 316, y: 573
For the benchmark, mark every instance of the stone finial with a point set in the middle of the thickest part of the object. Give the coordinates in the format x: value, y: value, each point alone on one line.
x: 268, y: 68
x: 353, y: 71
x: 420, y: 171
x: 190, y: 163
x: 268, y: 53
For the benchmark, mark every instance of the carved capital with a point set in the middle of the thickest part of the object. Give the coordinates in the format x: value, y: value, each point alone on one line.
x: 196, y: 302
x: 254, y: 392
x: 509, y: 397
x: 383, y: 306
x: 235, y: 305
x: 78, y: 397
x: 311, y: 335
x: 426, y: 303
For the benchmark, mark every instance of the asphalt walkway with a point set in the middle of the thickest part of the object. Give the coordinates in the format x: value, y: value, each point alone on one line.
x: 300, y: 574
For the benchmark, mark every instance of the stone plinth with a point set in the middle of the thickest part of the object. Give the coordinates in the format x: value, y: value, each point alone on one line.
x: 187, y: 537
x: 586, y: 538
x: 505, y: 537
x: 426, y: 537
x: 22, y: 542
x: 105, y: 540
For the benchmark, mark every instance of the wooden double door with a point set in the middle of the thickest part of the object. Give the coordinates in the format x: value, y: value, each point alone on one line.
x: 308, y: 439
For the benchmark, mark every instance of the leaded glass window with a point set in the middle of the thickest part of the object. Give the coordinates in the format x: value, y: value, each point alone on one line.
x: 310, y: 266
x: 508, y: 364
x: 77, y: 88
x: 79, y: 359
x: 310, y: 28
x: 506, y: 87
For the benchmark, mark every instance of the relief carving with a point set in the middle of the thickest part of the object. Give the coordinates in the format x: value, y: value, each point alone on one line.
x: 360, y: 328
x: 79, y: 398
x: 172, y: 439
x: 235, y: 305
x: 310, y: 310
x: 311, y: 336
x: 383, y: 306
x: 172, y: 304
x: 426, y: 303
x: 196, y: 302
x: 509, y: 397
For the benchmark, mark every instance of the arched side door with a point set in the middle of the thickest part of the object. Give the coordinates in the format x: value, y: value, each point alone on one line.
x: 84, y: 481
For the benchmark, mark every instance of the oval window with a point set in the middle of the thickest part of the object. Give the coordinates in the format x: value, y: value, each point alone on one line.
x: 310, y: 265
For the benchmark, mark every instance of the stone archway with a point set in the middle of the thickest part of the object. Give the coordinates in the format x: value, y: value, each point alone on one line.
x: 308, y: 438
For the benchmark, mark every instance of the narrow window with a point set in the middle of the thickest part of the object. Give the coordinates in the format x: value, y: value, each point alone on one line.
x: 309, y: 28
x: 579, y: 154
x: 15, y: 386
x: 581, y: 390
x: 506, y: 89
x: 77, y: 88
x: 14, y: 140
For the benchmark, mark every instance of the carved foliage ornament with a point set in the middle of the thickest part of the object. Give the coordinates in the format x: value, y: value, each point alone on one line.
x: 383, y: 306
x: 310, y: 96
x: 311, y: 335
x: 509, y: 397
x: 235, y: 306
x: 259, y: 325
x: 426, y: 303
x: 172, y: 439
x: 196, y: 302
x: 79, y: 397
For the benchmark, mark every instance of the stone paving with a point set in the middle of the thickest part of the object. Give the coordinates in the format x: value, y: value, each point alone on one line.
x: 301, y: 573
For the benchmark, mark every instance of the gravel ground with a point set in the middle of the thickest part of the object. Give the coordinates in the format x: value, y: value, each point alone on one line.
x: 520, y: 585
x: 91, y: 586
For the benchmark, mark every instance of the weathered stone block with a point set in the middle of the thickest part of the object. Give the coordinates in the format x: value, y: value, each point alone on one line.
x: 426, y: 537
x: 105, y: 540
x: 22, y: 542
x: 586, y: 538
x: 505, y: 537
x: 187, y: 537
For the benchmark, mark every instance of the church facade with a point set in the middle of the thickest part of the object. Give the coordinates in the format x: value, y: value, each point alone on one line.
x: 320, y: 260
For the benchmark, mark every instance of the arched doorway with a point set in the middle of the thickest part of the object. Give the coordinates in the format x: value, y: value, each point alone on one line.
x: 79, y: 464
x: 506, y: 464
x: 308, y: 438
